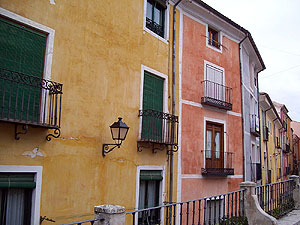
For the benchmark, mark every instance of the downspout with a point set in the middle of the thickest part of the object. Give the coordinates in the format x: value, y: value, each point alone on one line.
x: 259, y: 123
x: 173, y: 102
x: 242, y: 104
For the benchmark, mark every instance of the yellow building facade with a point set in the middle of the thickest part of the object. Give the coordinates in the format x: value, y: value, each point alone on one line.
x: 105, y: 55
x: 271, y: 142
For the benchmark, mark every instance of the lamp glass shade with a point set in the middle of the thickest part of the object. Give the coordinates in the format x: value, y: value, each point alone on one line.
x: 119, y: 130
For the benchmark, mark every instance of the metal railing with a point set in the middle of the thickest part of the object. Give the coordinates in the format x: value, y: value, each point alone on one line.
x: 155, y: 27
x: 219, y: 209
x: 217, y: 95
x: 30, y: 100
x: 218, y: 163
x: 276, y: 199
x: 159, y: 127
x: 91, y: 221
x: 254, y: 125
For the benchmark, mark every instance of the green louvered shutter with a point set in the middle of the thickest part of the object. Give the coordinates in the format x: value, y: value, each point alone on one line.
x: 152, y: 99
x: 21, y: 50
x: 19, y: 180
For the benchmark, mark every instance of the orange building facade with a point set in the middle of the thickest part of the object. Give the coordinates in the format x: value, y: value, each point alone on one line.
x: 211, y: 116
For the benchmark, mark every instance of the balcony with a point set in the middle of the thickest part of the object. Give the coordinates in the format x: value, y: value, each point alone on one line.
x: 277, y: 144
x: 265, y: 133
x: 218, y: 163
x: 158, y: 128
x: 30, y: 101
x: 155, y: 27
x: 216, y: 95
x: 254, y: 125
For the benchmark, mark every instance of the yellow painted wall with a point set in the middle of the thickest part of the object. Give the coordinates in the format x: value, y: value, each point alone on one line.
x: 270, y: 155
x: 99, y: 47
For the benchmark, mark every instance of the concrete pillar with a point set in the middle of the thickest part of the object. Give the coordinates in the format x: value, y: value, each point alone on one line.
x: 254, y: 213
x: 296, y: 191
x: 109, y: 215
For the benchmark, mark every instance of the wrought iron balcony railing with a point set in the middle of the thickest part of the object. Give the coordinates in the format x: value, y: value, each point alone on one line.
x: 277, y: 144
x: 216, y: 95
x: 218, y: 163
x: 254, y: 125
x: 286, y: 148
x: 155, y: 27
x: 30, y: 100
x: 159, y: 127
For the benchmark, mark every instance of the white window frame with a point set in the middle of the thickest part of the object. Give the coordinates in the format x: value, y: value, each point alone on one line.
x: 48, y: 52
x: 220, y: 33
x: 36, y: 193
x: 162, y: 187
x: 213, y: 120
x: 165, y: 92
x: 164, y: 39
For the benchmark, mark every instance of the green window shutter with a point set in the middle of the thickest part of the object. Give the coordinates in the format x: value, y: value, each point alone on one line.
x: 152, y: 99
x: 22, y: 50
x: 150, y: 175
x: 11, y: 180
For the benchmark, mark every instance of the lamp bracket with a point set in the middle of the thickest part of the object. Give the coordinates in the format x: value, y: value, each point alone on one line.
x: 173, y: 148
x: 106, y: 150
x: 24, y: 131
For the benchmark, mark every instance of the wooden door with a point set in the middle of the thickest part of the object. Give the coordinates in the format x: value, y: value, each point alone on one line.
x: 214, y: 152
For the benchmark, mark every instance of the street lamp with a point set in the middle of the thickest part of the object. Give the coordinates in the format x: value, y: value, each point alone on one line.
x: 118, y: 131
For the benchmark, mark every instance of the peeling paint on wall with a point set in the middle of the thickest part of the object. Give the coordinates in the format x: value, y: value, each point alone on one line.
x: 34, y: 153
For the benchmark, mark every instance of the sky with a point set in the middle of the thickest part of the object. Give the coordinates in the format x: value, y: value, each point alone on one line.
x: 275, y: 28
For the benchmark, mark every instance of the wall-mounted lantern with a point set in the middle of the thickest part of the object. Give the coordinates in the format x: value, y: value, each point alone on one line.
x: 118, y: 131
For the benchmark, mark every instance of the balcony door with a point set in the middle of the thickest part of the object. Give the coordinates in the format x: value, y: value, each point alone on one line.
x: 214, y: 152
x: 152, y: 107
x: 22, y: 50
x: 214, y: 87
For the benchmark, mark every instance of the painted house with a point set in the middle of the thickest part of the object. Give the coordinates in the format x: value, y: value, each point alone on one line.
x: 296, y: 146
x: 68, y: 70
x: 271, y: 141
x: 287, y: 139
x: 212, y: 49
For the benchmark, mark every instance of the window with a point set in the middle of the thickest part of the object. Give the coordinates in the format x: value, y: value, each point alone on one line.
x: 214, y: 78
x: 153, y: 107
x: 16, y: 198
x: 22, y: 50
x: 150, y: 196
x: 155, y: 16
x: 214, y: 152
x: 213, y: 38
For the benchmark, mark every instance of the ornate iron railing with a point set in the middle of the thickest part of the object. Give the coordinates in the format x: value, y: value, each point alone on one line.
x: 218, y: 163
x: 155, y: 27
x: 159, y: 127
x: 254, y: 125
x: 276, y: 199
x: 30, y: 100
x: 219, y: 209
x: 216, y: 95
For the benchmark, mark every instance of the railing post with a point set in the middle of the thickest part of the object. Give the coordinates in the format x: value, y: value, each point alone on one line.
x: 253, y: 211
x: 109, y: 214
x: 296, y: 191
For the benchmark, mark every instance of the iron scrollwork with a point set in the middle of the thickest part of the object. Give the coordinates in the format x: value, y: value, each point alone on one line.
x: 55, y: 135
x: 24, y: 131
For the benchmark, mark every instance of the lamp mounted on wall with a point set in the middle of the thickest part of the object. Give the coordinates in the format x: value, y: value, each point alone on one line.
x: 118, y: 131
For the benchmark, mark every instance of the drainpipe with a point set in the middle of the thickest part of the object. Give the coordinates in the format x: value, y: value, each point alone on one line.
x: 173, y: 101
x: 242, y: 103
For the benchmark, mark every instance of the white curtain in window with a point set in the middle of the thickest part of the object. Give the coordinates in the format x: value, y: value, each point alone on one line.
x: 208, y: 143
x: 214, y: 88
x: 217, y: 144
x: 142, y: 194
x: 15, y: 207
x: 149, y: 10
x: 151, y: 193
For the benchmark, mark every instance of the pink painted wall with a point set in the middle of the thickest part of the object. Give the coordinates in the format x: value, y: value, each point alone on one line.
x: 194, y: 53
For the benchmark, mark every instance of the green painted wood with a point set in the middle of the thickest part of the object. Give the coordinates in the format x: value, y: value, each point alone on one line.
x: 11, y: 180
x: 150, y: 175
x: 152, y: 99
x: 22, y: 50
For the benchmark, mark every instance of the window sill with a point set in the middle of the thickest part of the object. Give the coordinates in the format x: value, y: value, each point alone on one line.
x: 156, y: 35
x: 214, y: 48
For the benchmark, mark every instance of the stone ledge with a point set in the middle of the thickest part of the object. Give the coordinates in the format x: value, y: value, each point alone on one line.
x: 109, y: 209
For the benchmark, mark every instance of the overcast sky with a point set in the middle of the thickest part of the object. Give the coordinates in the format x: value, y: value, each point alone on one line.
x: 275, y: 28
